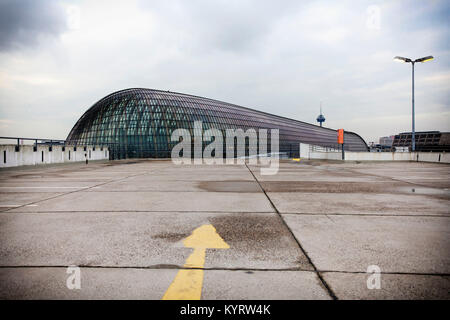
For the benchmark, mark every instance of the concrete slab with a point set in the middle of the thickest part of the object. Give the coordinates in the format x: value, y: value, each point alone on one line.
x: 391, y: 187
x: 394, y: 215
x: 138, y: 185
x: 425, y: 174
x: 155, y: 201
x: 353, y: 286
x: 395, y: 244
x: 67, y: 176
x: 432, y: 183
x: 359, y: 203
x: 46, y: 186
x: 198, y: 173
x: 144, y: 239
x: 113, y: 283
x: 96, y: 283
x: 199, y: 176
x: 263, y: 285
x: 133, y: 184
x: 17, y: 199
x: 316, y: 176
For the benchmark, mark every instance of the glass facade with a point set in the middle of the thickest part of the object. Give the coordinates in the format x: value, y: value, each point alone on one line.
x: 138, y: 123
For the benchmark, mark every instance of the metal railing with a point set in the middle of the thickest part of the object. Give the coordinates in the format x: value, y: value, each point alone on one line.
x: 49, y: 142
x: 36, y: 140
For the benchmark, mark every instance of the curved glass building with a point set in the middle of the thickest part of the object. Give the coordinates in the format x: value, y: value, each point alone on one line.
x: 138, y: 123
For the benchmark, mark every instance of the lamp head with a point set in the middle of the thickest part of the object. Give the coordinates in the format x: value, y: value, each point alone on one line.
x: 424, y: 59
x: 402, y: 59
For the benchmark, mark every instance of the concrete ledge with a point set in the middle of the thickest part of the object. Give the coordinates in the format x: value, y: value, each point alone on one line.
x: 26, y: 155
x: 440, y: 157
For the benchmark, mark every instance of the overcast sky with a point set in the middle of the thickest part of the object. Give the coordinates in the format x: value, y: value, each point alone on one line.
x: 284, y: 57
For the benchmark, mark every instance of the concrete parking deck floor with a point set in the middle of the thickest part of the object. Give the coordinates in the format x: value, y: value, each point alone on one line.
x: 308, y: 232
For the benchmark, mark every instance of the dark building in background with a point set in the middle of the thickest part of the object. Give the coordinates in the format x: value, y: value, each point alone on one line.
x: 138, y: 123
x: 434, y: 141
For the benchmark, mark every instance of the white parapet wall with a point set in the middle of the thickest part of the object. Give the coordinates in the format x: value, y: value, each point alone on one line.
x: 310, y: 152
x: 26, y: 155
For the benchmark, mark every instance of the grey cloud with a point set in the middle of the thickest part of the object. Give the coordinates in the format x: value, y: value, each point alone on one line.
x: 280, y: 57
x: 224, y: 25
x: 23, y: 22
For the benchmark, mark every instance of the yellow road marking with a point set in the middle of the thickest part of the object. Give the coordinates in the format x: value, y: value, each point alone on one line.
x: 188, y: 283
x: 296, y: 159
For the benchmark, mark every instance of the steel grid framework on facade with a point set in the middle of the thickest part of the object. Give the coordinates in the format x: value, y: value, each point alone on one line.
x: 138, y: 123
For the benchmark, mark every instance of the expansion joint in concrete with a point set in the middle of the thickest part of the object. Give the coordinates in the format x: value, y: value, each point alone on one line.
x: 322, y: 280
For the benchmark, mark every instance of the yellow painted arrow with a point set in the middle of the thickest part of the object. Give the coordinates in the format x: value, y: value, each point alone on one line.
x: 188, y: 283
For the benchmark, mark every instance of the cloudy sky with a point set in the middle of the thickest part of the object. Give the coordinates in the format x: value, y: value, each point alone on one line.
x: 283, y: 57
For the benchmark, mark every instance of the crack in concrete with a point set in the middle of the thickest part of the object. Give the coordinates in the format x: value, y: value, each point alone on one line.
x: 79, y: 190
x: 179, y: 267
x: 322, y: 280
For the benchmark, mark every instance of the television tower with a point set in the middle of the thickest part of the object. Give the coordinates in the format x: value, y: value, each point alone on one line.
x: 320, y: 118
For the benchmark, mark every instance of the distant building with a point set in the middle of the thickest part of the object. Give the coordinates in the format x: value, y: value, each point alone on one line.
x: 387, y: 141
x: 434, y: 141
x: 384, y: 145
x: 138, y: 123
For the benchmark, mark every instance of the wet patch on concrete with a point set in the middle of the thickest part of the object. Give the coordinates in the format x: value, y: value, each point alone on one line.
x: 170, y: 236
x: 229, y: 186
x: 393, y: 187
x: 235, y: 228
x: 324, y: 187
x: 260, y: 238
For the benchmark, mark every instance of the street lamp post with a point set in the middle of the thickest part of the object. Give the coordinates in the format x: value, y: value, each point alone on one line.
x: 406, y: 60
